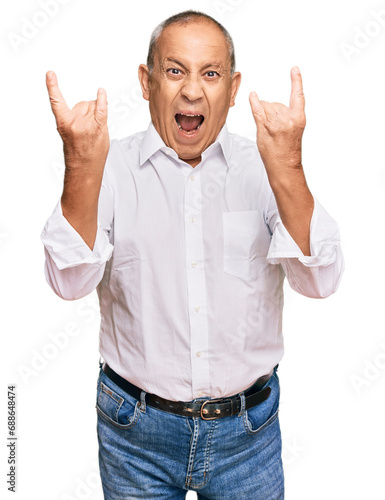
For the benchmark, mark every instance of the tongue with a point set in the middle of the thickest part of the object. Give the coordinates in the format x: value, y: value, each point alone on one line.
x: 189, y: 122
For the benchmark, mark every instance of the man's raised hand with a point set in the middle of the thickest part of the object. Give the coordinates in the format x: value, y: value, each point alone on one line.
x: 280, y: 129
x: 86, y: 143
x: 83, y: 128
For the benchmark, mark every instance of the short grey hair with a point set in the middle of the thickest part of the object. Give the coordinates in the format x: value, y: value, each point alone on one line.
x: 186, y: 17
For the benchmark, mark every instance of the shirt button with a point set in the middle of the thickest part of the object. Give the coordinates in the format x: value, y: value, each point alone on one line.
x: 192, y: 219
x: 192, y: 178
x: 194, y: 264
x: 198, y: 354
x: 196, y: 308
x: 200, y: 393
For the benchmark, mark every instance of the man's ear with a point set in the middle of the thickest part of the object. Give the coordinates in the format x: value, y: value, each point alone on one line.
x: 144, y: 79
x: 235, y: 83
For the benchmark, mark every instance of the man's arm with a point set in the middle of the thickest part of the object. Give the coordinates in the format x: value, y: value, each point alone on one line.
x: 305, y: 239
x: 279, y: 141
x: 86, y: 143
x: 76, y: 236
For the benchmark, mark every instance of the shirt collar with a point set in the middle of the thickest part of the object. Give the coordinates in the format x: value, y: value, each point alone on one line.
x: 152, y: 143
x: 222, y: 141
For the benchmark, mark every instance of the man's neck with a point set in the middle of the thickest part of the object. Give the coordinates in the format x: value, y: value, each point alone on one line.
x: 193, y: 161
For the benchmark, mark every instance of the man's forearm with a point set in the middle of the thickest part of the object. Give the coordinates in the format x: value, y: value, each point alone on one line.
x: 79, y: 203
x: 295, y: 205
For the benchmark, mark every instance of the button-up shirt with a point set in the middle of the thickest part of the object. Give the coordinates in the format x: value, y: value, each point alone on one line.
x: 189, y: 265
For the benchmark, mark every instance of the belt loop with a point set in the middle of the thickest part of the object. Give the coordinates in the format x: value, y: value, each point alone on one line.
x: 243, y: 403
x: 100, y: 362
x: 142, y: 404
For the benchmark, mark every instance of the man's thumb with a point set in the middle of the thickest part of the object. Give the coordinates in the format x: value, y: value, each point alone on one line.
x: 256, y: 107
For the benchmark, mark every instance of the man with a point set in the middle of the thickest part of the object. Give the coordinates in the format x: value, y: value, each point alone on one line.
x: 187, y: 232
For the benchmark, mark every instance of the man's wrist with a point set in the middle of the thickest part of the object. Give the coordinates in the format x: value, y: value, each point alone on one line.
x: 286, y: 176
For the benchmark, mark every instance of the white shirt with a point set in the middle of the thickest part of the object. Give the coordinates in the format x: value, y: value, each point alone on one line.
x: 189, y: 265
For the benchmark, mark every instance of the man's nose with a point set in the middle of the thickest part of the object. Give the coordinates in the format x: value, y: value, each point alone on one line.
x: 192, y: 88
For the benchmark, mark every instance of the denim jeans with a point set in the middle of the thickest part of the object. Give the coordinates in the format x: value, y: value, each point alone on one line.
x: 148, y: 453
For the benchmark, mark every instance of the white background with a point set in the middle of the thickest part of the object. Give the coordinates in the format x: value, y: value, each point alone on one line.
x: 333, y: 372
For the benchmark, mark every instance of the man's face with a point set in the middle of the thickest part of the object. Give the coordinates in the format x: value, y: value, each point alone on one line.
x: 190, y: 89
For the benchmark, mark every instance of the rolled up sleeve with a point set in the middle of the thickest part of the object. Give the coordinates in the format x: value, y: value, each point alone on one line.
x: 319, y: 274
x: 72, y: 269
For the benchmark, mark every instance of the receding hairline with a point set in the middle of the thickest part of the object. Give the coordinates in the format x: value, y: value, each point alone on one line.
x: 185, y: 18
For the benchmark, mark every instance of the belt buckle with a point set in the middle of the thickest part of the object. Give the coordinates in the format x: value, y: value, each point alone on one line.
x: 215, y: 411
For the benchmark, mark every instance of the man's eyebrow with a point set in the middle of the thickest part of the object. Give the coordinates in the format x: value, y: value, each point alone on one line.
x: 209, y: 65
x: 168, y: 59
x: 212, y: 65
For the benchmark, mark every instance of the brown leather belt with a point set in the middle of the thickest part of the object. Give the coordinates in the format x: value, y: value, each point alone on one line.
x: 208, y: 409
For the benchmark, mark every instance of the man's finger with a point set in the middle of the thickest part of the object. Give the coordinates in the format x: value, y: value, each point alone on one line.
x: 58, y: 104
x: 101, y: 107
x: 256, y: 107
x: 297, y: 97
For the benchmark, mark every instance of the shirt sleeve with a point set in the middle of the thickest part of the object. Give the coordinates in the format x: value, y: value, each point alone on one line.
x: 319, y: 274
x: 71, y: 268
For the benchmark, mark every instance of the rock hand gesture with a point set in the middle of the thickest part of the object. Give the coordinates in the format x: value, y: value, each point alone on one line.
x: 84, y: 132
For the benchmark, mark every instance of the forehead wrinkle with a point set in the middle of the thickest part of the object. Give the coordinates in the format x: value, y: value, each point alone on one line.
x: 178, y: 49
x: 184, y: 47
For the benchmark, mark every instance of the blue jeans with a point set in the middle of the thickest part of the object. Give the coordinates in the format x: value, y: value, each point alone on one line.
x: 148, y: 453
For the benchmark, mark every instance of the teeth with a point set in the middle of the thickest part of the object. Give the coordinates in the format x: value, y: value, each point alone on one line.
x: 185, y: 114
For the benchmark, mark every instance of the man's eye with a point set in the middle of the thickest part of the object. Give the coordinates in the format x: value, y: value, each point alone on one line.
x: 212, y: 74
x: 174, y: 71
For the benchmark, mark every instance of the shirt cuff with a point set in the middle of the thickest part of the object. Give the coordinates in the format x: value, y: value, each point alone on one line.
x: 324, y: 240
x: 67, y: 248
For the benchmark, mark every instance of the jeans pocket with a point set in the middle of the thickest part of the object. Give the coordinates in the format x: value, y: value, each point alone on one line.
x: 261, y: 416
x: 246, y: 243
x: 117, y: 409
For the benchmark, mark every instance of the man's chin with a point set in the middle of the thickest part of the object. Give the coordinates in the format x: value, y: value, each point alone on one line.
x: 189, y: 150
x: 190, y: 156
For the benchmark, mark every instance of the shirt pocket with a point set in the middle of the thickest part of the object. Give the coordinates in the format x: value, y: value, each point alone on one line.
x: 246, y: 242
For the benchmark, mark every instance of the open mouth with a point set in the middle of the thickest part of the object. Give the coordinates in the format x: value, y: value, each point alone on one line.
x: 189, y: 123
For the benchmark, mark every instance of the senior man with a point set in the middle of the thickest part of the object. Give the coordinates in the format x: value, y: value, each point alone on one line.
x: 187, y: 232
